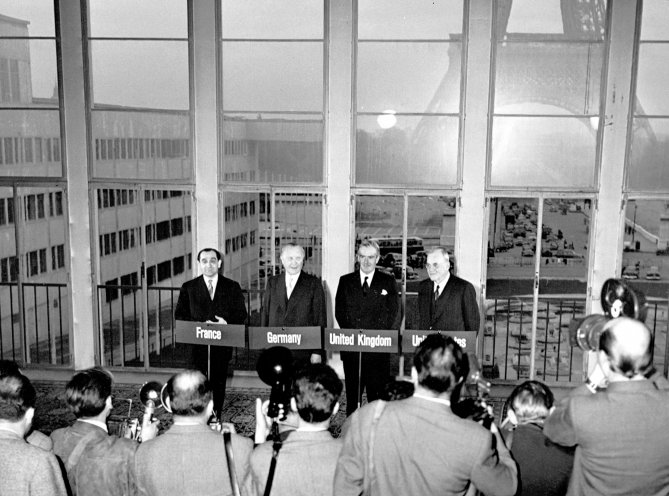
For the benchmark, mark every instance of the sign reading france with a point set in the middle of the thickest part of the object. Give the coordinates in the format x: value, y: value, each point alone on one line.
x: 210, y: 334
x: 367, y: 340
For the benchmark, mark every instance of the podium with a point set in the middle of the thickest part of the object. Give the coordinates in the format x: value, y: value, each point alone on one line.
x: 210, y: 334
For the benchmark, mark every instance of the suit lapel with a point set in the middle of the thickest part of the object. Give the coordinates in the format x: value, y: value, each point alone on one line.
x: 440, y: 304
x: 283, y: 295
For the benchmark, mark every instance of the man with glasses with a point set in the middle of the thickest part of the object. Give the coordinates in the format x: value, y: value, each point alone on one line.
x: 366, y: 299
x: 446, y: 302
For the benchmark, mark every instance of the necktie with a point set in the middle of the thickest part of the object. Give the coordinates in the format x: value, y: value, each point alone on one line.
x: 210, y: 287
x: 436, y: 293
x: 291, y: 285
x: 365, y: 286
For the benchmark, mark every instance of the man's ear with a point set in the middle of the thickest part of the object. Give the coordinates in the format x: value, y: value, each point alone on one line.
x: 414, y: 376
x: 335, y: 409
x: 28, y: 418
x: 293, y: 405
x: 210, y: 408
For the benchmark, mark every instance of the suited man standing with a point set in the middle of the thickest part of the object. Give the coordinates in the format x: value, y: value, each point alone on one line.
x: 366, y: 299
x: 294, y: 298
x: 446, y: 302
x: 212, y: 298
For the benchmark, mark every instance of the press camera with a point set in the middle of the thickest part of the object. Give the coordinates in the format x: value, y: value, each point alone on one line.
x: 617, y: 299
x: 471, y: 400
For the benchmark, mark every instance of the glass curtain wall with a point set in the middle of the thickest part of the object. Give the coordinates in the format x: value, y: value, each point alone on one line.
x: 34, y: 292
x: 140, y: 153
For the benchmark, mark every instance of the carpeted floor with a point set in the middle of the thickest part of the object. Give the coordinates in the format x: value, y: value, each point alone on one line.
x: 239, y: 408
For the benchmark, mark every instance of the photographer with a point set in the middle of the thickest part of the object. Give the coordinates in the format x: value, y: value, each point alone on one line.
x: 308, y: 456
x: 618, y: 419
x: 418, y: 445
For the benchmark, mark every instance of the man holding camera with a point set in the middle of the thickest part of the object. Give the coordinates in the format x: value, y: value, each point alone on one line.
x: 190, y: 458
x: 618, y: 419
x: 418, y: 445
x: 308, y: 455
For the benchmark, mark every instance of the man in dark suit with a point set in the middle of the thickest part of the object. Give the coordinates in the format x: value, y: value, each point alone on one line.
x: 212, y: 298
x: 95, y: 462
x: 618, y: 419
x: 24, y: 468
x: 418, y: 445
x: 294, y: 298
x: 446, y: 302
x: 366, y: 299
x: 190, y: 458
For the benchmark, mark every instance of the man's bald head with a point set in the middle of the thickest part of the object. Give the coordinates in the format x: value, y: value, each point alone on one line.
x: 189, y: 392
x: 628, y: 344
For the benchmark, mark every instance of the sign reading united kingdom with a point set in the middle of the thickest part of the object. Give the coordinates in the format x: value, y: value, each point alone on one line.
x: 412, y: 338
x: 293, y: 338
x: 210, y: 334
x: 367, y: 340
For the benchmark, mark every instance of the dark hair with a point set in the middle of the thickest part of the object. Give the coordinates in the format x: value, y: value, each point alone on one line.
x: 9, y: 367
x: 218, y: 253
x: 396, y: 389
x: 316, y: 389
x: 17, y: 395
x: 189, y: 392
x: 531, y: 401
x: 87, y: 392
x: 440, y: 363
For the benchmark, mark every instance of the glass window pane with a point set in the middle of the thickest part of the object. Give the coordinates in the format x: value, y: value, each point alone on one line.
x: 145, y: 74
x: 647, y: 170
x: 36, y: 16
x: 543, y: 151
x: 651, y: 95
x: 28, y: 73
x: 381, y: 218
x: 575, y: 19
x: 30, y: 143
x: 533, y: 77
x: 241, y: 249
x: 646, y: 265
x: 270, y: 148
x: 157, y: 145
x: 654, y: 20
x: 145, y: 19
x: 406, y: 150
x: 276, y: 76
x: 418, y: 19
x: 272, y: 19
x: 409, y: 77
x: 45, y: 283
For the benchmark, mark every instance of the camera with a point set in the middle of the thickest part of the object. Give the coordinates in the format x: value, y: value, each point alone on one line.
x: 471, y: 399
x: 617, y: 299
x: 275, y: 368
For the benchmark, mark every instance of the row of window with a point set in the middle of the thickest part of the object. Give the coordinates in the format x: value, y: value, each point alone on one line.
x: 10, y: 80
x: 29, y: 150
x: 239, y: 210
x: 140, y: 148
x: 155, y: 273
x: 240, y: 242
x: 36, y: 263
x: 34, y: 207
x: 236, y: 147
x: 109, y: 198
x: 126, y: 241
x: 240, y: 176
x: 167, y: 229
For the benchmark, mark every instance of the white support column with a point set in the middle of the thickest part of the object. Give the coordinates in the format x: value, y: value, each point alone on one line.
x: 205, y: 144
x: 82, y: 283
x: 338, y: 239
x: 470, y: 227
x: 606, y: 255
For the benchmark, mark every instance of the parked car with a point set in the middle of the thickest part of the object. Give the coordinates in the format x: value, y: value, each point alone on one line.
x: 567, y: 254
x: 391, y: 259
x: 630, y: 273
x: 527, y: 252
x: 653, y: 273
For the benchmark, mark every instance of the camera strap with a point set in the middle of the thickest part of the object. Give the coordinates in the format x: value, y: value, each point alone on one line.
x: 227, y: 439
x: 279, y: 438
x: 378, y: 410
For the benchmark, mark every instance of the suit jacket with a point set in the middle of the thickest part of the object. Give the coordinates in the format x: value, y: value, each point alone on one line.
x: 621, y: 438
x: 306, y: 306
x: 421, y: 447
x: 456, y: 308
x: 28, y: 470
x: 189, y: 460
x: 196, y: 305
x: 104, y: 467
x: 305, y: 467
x: 380, y: 309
